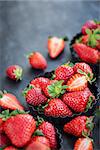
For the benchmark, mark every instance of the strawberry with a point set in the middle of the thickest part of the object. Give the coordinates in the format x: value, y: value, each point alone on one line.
x: 34, y: 96
x: 64, y: 72
x: 84, y: 67
x: 39, y: 82
x: 56, y: 46
x: 79, y: 126
x: 9, y: 101
x: 4, y: 141
x: 90, y: 24
x: 1, y: 125
x: 18, y: 126
x: 79, y: 101
x: 77, y: 82
x: 10, y: 148
x: 54, y: 88
x: 37, y: 60
x: 56, y: 108
x: 49, y: 132
x: 37, y: 146
x: 14, y: 72
x: 85, y: 39
x: 86, y: 53
x: 83, y: 144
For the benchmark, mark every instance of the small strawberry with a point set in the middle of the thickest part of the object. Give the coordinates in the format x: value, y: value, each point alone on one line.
x: 77, y: 82
x: 4, y: 141
x: 86, y: 53
x: 56, y: 108
x: 34, y: 96
x: 83, y: 144
x: 90, y: 24
x: 18, y: 126
x: 14, y: 72
x: 39, y: 82
x: 64, y: 72
x: 79, y: 126
x: 79, y: 101
x: 9, y: 101
x: 37, y: 146
x: 49, y: 132
x: 37, y: 60
x: 84, y: 67
x: 85, y: 39
x: 56, y: 46
x: 1, y: 125
x: 10, y: 148
x: 54, y: 88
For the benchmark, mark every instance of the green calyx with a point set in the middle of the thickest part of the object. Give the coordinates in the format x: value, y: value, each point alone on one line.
x: 38, y: 133
x: 90, y: 101
x: 18, y: 73
x: 70, y: 64
x: 6, y: 114
x: 97, y: 22
x: 24, y: 92
x: 2, y: 93
x: 56, y: 89
x: 39, y: 121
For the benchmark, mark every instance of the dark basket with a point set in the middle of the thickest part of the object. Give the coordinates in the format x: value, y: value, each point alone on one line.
x: 75, y: 58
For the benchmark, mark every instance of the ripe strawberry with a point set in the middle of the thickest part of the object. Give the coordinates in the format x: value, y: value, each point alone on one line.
x: 79, y: 101
x: 37, y: 60
x: 39, y: 82
x: 56, y: 46
x: 14, y: 72
x: 84, y: 67
x: 79, y: 126
x: 90, y: 24
x: 1, y: 125
x: 19, y: 127
x: 10, y: 148
x: 9, y: 101
x: 85, y: 39
x: 37, y: 146
x: 49, y: 132
x: 34, y: 96
x: 54, y: 88
x: 3, y: 140
x: 56, y: 108
x: 64, y: 72
x: 86, y: 53
x: 77, y: 82
x: 83, y: 144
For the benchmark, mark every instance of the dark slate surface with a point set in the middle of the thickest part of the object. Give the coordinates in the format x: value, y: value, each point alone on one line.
x: 25, y: 26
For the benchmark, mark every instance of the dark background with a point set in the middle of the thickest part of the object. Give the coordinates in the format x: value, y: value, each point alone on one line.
x: 25, y: 27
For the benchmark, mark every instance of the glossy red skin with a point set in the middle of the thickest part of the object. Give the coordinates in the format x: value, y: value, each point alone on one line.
x: 63, y: 72
x: 76, y: 126
x: 86, y: 53
x: 49, y: 132
x: 77, y: 101
x: 85, y: 39
x: 10, y: 148
x: 9, y: 101
x: 10, y: 71
x: 35, y: 97
x: 19, y: 129
x: 37, y: 61
x: 56, y: 108
x: 83, y: 144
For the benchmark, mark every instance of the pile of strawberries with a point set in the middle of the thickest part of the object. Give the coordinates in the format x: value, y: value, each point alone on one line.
x: 65, y: 94
x: 87, y: 45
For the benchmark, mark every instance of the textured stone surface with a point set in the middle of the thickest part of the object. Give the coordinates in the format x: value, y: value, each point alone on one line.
x: 25, y: 26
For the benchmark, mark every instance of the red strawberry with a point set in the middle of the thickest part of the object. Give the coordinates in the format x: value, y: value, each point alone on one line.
x: 56, y: 46
x: 19, y: 128
x: 10, y: 148
x: 56, y: 108
x: 49, y: 132
x: 34, y: 96
x: 79, y: 126
x: 79, y: 101
x: 37, y: 60
x: 85, y: 39
x: 64, y: 72
x: 14, y: 72
x: 39, y: 82
x: 83, y: 144
x: 77, y: 82
x: 54, y: 88
x: 37, y: 146
x: 1, y: 125
x: 84, y: 67
x: 4, y: 141
x: 86, y: 53
x: 9, y: 101
x: 90, y: 24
